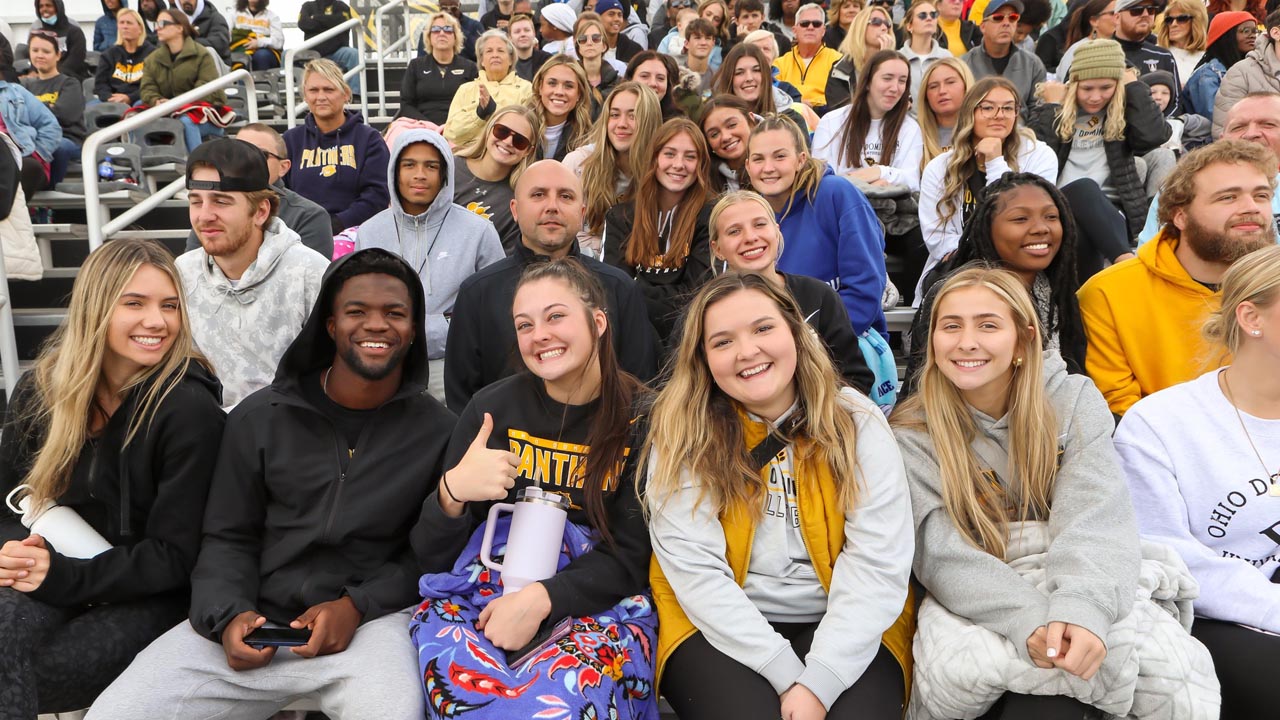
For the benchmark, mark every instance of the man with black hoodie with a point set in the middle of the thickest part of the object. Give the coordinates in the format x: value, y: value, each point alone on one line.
x: 481, y: 345
x: 212, y: 29
x: 320, y: 479
x: 52, y: 15
x: 317, y: 16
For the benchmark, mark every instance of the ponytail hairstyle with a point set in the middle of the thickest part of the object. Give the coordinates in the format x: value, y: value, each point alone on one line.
x: 610, y: 433
x: 642, y: 245
x: 69, y: 368
x: 811, y: 170
x: 924, y: 112
x: 858, y: 124
x: 600, y: 171
x: 963, y: 162
x: 723, y: 83
x: 981, y: 509
x: 694, y: 426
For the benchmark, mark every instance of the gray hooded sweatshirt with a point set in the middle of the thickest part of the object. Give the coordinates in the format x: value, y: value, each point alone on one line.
x: 1093, y: 555
x: 245, y: 326
x: 445, y: 244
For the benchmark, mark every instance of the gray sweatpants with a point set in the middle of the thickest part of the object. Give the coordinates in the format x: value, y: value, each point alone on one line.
x: 183, y: 676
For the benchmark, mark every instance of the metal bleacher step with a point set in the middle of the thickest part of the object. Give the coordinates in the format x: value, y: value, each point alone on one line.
x: 38, y: 317
x: 80, y: 231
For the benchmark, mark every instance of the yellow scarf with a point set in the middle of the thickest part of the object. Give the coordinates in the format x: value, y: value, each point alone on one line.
x: 821, y: 525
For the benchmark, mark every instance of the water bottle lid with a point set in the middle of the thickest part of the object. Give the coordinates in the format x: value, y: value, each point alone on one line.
x: 533, y: 493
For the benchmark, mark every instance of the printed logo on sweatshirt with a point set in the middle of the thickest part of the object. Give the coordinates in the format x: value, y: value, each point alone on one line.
x: 49, y: 98
x: 129, y: 72
x: 1218, y: 524
x: 481, y: 210
x: 553, y: 463
x: 780, y: 502
x: 327, y: 160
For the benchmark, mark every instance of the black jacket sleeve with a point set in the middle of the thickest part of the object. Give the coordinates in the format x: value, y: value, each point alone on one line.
x: 225, y: 581
x: 409, y: 90
x: 181, y: 461
x: 1145, y: 126
x: 836, y: 330
x: 598, y: 579
x: 617, y: 229
x: 437, y: 538
x: 102, y: 76
x: 19, y: 443
x: 312, y: 19
x: 637, y: 345
x: 919, y: 341
x: 463, y: 366
x: 72, y: 63
x: 1043, y: 120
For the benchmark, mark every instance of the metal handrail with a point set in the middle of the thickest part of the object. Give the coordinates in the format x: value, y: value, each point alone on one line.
x: 291, y: 108
x: 384, y: 51
x: 98, y: 230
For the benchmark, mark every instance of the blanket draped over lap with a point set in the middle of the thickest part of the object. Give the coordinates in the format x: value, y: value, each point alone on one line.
x: 603, y: 668
x: 1154, y: 669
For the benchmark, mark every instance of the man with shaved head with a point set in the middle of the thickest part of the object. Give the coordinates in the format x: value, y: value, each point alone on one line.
x: 481, y: 347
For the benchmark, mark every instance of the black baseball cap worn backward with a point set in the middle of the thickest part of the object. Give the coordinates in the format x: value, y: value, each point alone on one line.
x: 241, y: 167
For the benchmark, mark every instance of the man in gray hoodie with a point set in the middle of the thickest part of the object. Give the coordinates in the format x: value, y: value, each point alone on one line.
x: 251, y: 283
x: 444, y: 242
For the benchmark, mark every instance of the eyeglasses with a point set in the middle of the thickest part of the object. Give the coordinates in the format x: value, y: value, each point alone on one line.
x: 680, y: 3
x: 1179, y: 19
x: 270, y: 154
x: 922, y: 15
x: 810, y: 24
x: 1141, y: 10
x: 593, y: 37
x: 988, y: 110
x: 877, y: 3
x: 502, y: 132
x: 164, y: 24
x: 1010, y: 18
x: 880, y: 22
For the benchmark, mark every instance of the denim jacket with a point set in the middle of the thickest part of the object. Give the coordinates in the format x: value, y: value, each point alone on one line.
x: 31, y: 124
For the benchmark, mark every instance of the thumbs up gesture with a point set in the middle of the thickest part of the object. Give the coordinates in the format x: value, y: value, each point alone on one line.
x: 481, y: 474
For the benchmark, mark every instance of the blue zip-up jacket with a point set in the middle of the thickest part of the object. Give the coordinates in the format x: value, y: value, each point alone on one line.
x: 837, y: 239
x: 31, y: 124
x: 344, y: 171
x: 104, y: 30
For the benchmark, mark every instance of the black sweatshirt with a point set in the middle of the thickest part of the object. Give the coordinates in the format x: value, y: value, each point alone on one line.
x: 550, y: 439
x: 120, y: 71
x: 481, y: 347
x: 825, y: 312
x: 667, y: 290
x: 317, y: 16
x: 428, y: 87
x: 146, y: 499
x: 288, y: 526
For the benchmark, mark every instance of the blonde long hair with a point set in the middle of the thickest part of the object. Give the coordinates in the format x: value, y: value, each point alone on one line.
x: 1197, y: 34
x: 810, y: 173
x: 694, y: 426
x: 854, y: 45
x: 600, y: 171
x: 924, y: 113
x: 579, y: 119
x: 479, y: 147
x: 981, y: 510
x: 69, y: 368
x: 963, y: 163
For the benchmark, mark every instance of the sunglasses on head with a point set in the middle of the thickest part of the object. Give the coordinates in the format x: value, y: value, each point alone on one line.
x: 518, y: 141
x: 1141, y: 10
x: 810, y: 23
x: 1005, y: 18
x: 442, y: 29
x: 926, y: 15
x: 593, y: 37
x: 1179, y: 19
x: 880, y: 22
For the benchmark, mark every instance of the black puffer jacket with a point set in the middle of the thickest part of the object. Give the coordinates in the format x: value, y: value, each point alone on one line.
x: 1145, y: 130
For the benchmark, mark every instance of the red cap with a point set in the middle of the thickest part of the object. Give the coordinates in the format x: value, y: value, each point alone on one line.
x: 1224, y: 21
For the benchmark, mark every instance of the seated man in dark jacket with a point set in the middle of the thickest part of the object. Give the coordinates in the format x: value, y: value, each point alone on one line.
x: 319, y: 482
x: 212, y: 29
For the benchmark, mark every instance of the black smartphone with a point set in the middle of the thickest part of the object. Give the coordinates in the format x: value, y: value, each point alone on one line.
x: 277, y: 637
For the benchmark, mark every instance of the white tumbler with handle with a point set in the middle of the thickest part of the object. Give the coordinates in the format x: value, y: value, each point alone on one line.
x: 61, y: 526
x: 535, y: 539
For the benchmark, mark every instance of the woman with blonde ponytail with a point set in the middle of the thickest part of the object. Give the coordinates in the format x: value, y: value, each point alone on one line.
x: 120, y: 422
x: 1025, y: 537
x: 779, y: 519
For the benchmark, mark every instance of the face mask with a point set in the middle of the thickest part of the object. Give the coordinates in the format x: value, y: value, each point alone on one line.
x: 50, y: 20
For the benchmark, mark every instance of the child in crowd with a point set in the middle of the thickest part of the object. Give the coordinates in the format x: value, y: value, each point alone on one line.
x: 574, y: 402
x: 779, y: 520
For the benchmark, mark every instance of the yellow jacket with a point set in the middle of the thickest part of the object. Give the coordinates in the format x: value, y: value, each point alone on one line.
x: 1142, y: 318
x: 810, y: 80
x: 464, y: 125
x: 822, y: 525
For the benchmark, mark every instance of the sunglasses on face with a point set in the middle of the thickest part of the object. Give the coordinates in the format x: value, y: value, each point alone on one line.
x: 1143, y: 10
x: 593, y: 37
x: 164, y: 24
x: 1010, y: 18
x: 518, y: 141
x: 442, y: 29
x: 1179, y: 19
x: 925, y: 15
x: 880, y: 22
x: 810, y: 24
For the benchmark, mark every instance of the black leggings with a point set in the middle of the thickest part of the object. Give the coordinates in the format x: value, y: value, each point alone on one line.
x: 1101, y: 231
x: 34, y: 177
x: 1245, y: 661
x: 910, y: 249
x: 1012, y: 706
x: 702, y: 683
x: 59, y: 659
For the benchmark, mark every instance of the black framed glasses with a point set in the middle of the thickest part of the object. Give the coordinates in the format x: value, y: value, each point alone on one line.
x: 1179, y: 19
x: 1141, y: 10
x: 519, y: 142
x: 925, y: 15
x: 810, y: 23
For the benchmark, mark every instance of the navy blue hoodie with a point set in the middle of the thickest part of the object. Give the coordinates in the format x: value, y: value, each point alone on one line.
x: 344, y: 171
